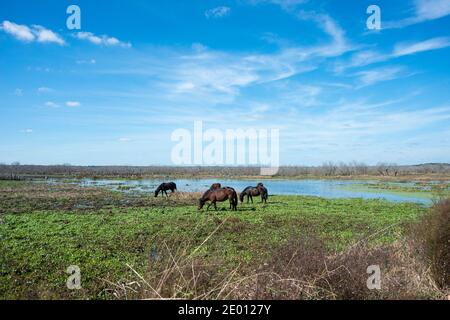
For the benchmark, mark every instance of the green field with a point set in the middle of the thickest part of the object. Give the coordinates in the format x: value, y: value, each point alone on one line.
x: 44, y: 229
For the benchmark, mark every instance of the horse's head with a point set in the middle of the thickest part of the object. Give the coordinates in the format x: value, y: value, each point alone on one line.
x: 201, y: 203
x: 215, y: 186
x: 156, y: 192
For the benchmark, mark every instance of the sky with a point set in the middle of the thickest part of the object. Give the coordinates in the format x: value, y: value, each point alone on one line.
x: 113, y: 92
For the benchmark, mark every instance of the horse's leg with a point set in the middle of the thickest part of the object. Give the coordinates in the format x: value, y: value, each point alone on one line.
x: 251, y: 198
x: 209, y: 205
x: 215, y: 205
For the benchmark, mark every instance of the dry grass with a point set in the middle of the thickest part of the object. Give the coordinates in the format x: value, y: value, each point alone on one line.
x: 432, y: 238
x: 304, y: 268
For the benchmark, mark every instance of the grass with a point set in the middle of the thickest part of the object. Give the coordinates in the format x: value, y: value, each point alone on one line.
x: 113, y: 236
x: 419, y: 189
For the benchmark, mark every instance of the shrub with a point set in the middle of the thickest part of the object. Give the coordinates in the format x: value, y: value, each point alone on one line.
x: 432, y: 237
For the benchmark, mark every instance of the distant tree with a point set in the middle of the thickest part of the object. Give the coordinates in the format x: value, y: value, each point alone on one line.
x: 329, y: 168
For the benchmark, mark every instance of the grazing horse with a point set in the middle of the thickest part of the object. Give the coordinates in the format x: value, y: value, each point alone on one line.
x: 222, y: 194
x: 250, y: 192
x: 215, y: 186
x: 263, y: 191
x: 163, y: 187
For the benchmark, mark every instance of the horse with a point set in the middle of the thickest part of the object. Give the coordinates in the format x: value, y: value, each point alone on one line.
x: 163, y: 187
x: 215, y: 186
x: 222, y: 194
x: 250, y: 192
x: 263, y: 191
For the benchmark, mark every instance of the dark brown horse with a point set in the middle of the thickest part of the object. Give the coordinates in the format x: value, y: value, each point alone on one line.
x: 215, y: 186
x: 163, y: 187
x: 251, y: 192
x: 263, y: 191
x: 219, y: 195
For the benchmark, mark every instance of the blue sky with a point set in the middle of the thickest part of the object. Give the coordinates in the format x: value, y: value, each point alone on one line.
x: 114, y: 91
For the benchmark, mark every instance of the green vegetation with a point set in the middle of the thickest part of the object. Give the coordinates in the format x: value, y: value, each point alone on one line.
x: 420, y: 189
x: 46, y: 228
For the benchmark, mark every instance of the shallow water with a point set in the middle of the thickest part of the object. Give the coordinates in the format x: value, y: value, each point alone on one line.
x: 320, y: 188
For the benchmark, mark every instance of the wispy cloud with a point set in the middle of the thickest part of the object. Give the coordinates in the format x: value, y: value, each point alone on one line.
x: 35, y: 33
x: 363, y: 58
x: 73, y: 104
x: 218, y: 12
x: 424, y: 10
x: 284, y: 4
x: 339, y: 43
x: 215, y: 76
x: 103, y: 40
x: 44, y: 90
x: 91, y: 61
x: 51, y: 104
x: 404, y: 49
x: 373, y: 76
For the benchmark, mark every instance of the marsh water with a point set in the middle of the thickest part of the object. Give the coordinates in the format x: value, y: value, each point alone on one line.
x: 320, y: 188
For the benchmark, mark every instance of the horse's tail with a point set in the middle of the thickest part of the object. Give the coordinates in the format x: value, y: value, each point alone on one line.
x: 235, y: 200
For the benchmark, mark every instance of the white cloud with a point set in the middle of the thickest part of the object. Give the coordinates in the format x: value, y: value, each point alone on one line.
x: 44, y: 90
x: 218, y: 12
x: 91, y: 61
x: 18, y: 92
x: 20, y: 32
x: 370, y: 77
x: 364, y: 58
x: 51, y: 104
x: 73, y: 104
x: 284, y: 4
x: 211, y: 76
x: 101, y: 40
x: 432, y: 9
x: 30, y: 34
x: 339, y: 43
x: 427, y: 45
x: 27, y: 131
x: 124, y: 139
x: 424, y: 10
x: 46, y: 35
